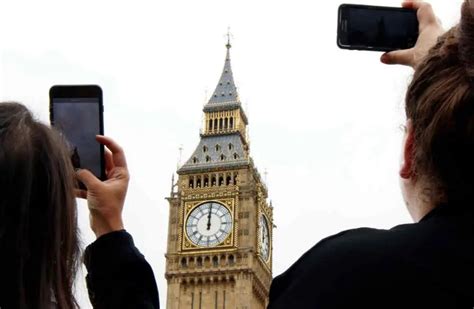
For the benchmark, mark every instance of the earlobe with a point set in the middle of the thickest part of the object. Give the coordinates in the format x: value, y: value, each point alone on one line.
x: 405, y: 171
x: 406, y: 168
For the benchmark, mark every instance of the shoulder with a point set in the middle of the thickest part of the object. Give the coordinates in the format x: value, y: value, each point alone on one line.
x: 368, y: 250
x: 343, y: 265
x: 353, y: 245
x: 357, y: 246
x: 363, y: 266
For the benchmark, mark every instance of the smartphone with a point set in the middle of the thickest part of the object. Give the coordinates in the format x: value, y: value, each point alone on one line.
x: 376, y: 28
x: 76, y: 111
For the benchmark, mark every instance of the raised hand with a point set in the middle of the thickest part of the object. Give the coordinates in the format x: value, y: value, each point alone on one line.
x: 429, y: 30
x: 106, y: 198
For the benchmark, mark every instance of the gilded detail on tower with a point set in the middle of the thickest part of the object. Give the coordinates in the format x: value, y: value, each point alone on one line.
x: 220, y: 226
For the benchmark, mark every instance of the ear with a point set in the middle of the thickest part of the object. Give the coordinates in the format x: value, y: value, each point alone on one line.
x: 406, y: 168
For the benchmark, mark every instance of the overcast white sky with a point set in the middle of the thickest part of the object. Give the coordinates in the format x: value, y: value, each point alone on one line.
x: 324, y: 122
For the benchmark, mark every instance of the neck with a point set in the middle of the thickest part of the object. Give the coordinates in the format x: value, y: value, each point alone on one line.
x: 420, y: 203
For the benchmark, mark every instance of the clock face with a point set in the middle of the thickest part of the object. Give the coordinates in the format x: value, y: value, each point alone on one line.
x: 209, y: 224
x: 264, y: 238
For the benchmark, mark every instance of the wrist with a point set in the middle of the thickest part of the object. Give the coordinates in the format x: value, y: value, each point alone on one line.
x: 102, y: 226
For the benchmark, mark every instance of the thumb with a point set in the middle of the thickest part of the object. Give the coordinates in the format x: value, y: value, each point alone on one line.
x: 403, y: 57
x: 87, y: 178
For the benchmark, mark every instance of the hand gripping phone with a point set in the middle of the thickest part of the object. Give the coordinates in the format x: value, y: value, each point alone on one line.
x: 376, y: 28
x: 77, y: 112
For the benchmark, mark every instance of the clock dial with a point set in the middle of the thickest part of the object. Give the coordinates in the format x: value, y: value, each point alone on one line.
x: 264, y: 238
x: 209, y: 224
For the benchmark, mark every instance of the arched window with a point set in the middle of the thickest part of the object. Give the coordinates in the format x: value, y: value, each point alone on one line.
x: 208, y: 159
x: 220, y: 124
x: 199, y: 262
x: 231, y: 146
x: 195, y: 160
x: 231, y: 260
x: 213, y: 181
x: 184, y: 263
x: 210, y: 124
x: 215, y: 261
x: 215, y: 124
x: 228, y: 180
x: 191, y: 183
x: 198, y: 182
x: 236, y: 156
x: 222, y: 157
x: 204, y: 148
x: 226, y: 123
x: 231, y: 122
x: 206, y: 181
x: 218, y: 147
x: 221, y: 181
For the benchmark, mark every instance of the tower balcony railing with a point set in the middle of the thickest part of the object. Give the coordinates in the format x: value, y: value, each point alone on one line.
x: 219, y: 131
x: 209, y: 262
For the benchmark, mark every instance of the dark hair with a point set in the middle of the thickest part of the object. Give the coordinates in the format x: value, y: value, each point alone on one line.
x: 38, y: 223
x: 440, y: 102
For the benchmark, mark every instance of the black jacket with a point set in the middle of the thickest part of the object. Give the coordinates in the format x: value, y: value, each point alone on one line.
x: 118, y: 274
x: 429, y: 264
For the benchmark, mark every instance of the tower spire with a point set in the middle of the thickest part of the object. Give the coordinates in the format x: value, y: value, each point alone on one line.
x: 224, y: 140
x: 225, y: 92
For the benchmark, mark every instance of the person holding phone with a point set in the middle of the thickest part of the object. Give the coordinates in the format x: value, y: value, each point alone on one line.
x: 430, y: 263
x: 39, y: 242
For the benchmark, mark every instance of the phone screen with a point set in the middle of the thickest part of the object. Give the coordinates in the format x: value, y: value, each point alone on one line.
x: 377, y: 28
x: 79, y: 120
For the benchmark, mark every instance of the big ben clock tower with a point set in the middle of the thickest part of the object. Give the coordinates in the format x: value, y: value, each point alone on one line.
x: 220, y: 226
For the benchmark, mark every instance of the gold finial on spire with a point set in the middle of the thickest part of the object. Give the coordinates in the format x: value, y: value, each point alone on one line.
x: 180, y: 156
x: 228, y: 45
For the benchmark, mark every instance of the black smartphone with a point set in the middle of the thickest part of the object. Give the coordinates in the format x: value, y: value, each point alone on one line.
x: 77, y: 112
x: 376, y: 28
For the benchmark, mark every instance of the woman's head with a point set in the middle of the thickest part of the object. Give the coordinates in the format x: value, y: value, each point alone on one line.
x: 440, y: 105
x: 38, y: 225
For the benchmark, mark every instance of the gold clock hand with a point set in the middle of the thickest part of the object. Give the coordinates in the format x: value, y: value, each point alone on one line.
x: 209, y: 218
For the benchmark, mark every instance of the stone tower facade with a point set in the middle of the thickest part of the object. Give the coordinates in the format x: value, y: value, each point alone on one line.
x: 220, y: 225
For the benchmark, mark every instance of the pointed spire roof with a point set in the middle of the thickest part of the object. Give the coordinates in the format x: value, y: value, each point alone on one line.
x: 224, y: 148
x: 225, y: 95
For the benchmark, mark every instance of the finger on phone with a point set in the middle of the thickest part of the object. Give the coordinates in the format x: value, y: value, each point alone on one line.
x: 87, y: 178
x: 109, y: 161
x: 404, y: 57
x: 415, y: 4
x: 117, y: 152
x: 424, y: 10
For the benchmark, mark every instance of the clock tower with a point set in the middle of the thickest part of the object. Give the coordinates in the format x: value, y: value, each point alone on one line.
x: 220, y: 224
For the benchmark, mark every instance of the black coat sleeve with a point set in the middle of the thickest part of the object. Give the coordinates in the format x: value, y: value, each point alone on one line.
x: 118, y: 274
